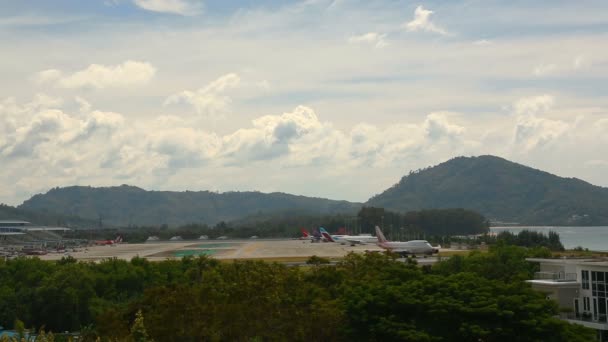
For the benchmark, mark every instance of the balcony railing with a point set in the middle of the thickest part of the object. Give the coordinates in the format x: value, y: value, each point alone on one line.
x: 555, y: 276
x: 585, y: 317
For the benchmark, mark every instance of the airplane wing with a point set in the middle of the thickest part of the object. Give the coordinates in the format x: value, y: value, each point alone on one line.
x: 401, y: 251
x: 355, y: 241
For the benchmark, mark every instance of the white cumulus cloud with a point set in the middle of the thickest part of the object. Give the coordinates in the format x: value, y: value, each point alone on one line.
x: 534, y: 105
x: 129, y: 73
x: 372, y: 38
x: 482, y: 42
x: 271, y: 136
x: 422, y: 22
x: 545, y: 69
x: 532, y: 130
x: 209, y: 100
x: 438, y: 126
x: 181, y: 7
x: 582, y: 62
x: 49, y: 75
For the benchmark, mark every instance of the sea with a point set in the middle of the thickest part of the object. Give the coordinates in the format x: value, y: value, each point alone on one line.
x: 593, y: 238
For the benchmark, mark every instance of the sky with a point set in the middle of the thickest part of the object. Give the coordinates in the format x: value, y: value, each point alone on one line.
x: 326, y: 98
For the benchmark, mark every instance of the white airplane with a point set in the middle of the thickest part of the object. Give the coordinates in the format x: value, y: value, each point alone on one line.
x: 351, y: 239
x: 360, y: 239
x: 405, y: 248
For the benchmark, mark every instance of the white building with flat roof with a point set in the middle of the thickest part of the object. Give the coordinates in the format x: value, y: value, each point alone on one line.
x: 580, y: 285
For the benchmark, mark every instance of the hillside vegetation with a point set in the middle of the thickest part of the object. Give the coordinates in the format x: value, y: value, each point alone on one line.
x: 499, y: 190
x: 496, y: 188
x: 132, y: 206
x: 41, y: 217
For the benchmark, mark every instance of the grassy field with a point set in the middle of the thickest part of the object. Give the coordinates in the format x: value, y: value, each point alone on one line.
x: 452, y: 253
x: 277, y: 259
x: 442, y: 254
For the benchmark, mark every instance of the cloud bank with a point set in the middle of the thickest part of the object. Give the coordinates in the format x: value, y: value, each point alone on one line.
x: 93, y: 146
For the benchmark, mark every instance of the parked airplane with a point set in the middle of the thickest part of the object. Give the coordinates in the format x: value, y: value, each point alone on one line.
x: 405, y: 248
x: 109, y: 242
x: 326, y: 236
x: 316, y: 235
x: 351, y: 239
x: 360, y: 239
x: 33, y: 251
x: 305, y: 235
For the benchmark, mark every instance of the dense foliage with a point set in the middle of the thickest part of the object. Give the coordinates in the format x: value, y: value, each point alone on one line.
x: 523, y: 238
x: 131, y: 206
x: 41, y: 217
x: 528, y: 238
x: 500, y: 190
x: 364, y: 298
x: 437, y: 222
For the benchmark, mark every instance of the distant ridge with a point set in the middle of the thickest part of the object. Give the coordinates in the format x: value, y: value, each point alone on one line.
x: 41, y: 217
x: 500, y: 190
x: 497, y: 188
x: 132, y: 206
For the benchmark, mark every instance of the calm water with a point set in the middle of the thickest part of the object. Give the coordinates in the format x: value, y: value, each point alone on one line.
x: 594, y: 238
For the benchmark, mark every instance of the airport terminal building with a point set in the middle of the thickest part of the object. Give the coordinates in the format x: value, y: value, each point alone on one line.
x: 18, y: 227
x: 580, y: 285
x: 18, y: 236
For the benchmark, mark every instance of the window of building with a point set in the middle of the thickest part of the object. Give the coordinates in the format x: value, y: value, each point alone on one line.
x: 595, y: 307
x: 585, y: 279
x: 586, y: 304
x: 599, y: 291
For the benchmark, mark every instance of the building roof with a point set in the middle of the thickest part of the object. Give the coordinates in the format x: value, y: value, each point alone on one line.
x: 572, y: 261
x: 44, y: 228
x: 553, y: 283
x: 14, y: 222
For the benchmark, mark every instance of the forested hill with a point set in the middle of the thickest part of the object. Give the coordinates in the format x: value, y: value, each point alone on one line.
x: 132, y: 206
x: 500, y: 190
x: 43, y: 218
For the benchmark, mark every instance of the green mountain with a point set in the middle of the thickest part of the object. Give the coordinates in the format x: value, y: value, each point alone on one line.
x: 131, y: 206
x: 41, y: 217
x: 500, y: 190
x: 497, y: 188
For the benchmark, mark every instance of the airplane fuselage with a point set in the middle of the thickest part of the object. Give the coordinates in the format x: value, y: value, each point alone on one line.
x: 355, y: 239
x: 409, y: 247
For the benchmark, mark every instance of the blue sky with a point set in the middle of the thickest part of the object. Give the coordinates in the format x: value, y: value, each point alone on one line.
x: 308, y: 97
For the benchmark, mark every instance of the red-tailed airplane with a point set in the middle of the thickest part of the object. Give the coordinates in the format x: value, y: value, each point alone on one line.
x: 109, y: 242
x: 315, y: 237
x: 305, y: 235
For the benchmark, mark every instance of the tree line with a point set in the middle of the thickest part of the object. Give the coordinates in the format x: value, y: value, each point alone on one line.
x: 427, y: 224
x: 370, y: 297
x: 430, y: 222
x: 529, y: 238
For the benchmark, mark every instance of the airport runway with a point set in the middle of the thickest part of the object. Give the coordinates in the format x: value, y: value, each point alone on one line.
x: 220, y: 249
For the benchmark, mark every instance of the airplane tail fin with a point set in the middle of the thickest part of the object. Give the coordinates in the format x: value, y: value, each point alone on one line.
x: 380, y: 235
x: 304, y: 233
x: 326, y: 235
x: 118, y: 239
